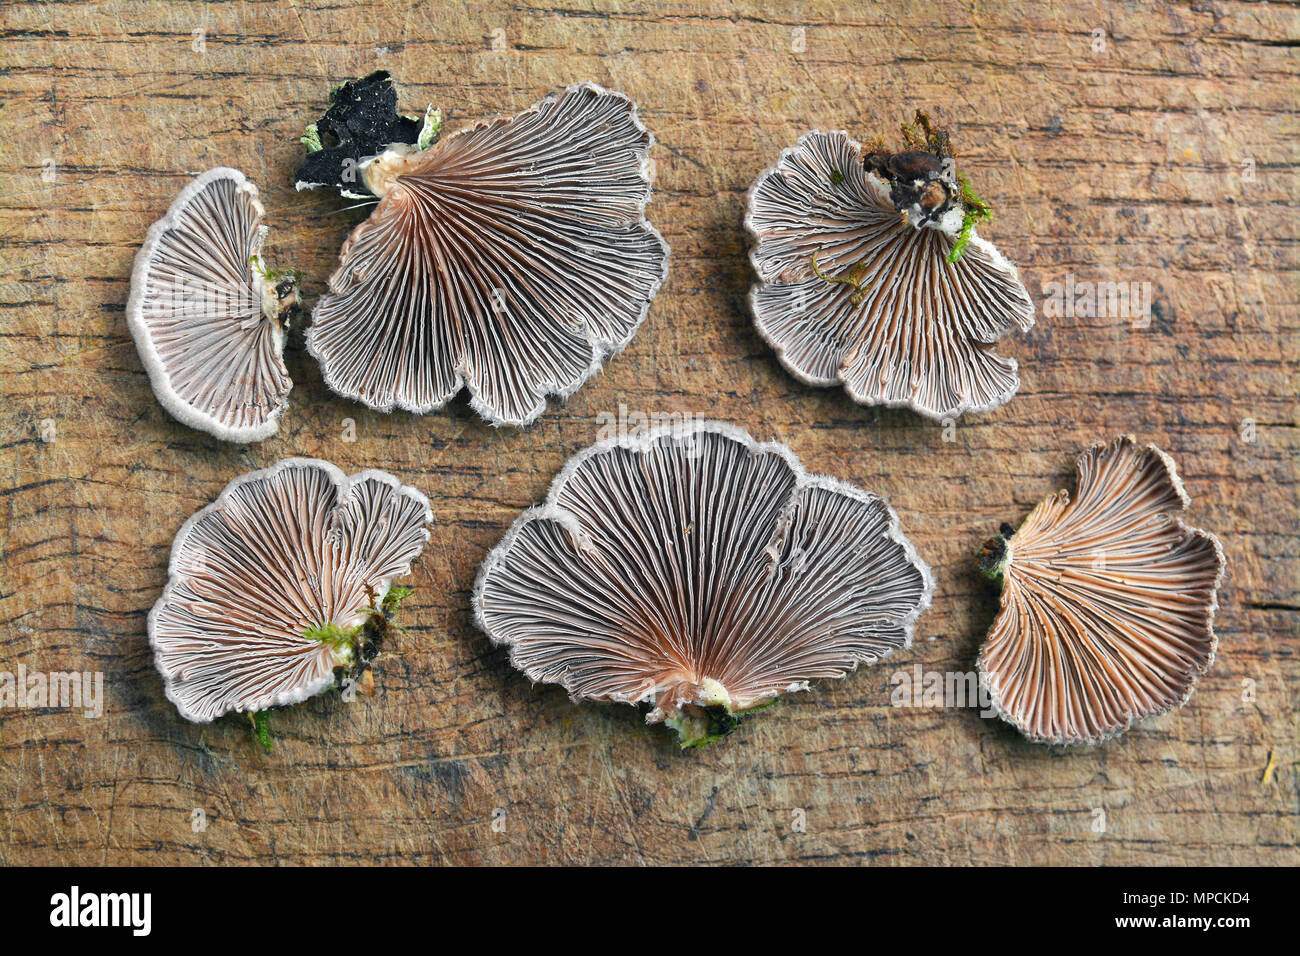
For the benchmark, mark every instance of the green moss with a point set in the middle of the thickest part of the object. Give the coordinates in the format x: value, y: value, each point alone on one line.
x: 261, y: 721
x: 311, y: 139
x: 275, y: 275
x: 430, y: 129
x: 359, y: 643
x: 333, y: 634
x: 394, y: 598
x: 837, y: 177
x: 977, y: 211
x: 854, y: 278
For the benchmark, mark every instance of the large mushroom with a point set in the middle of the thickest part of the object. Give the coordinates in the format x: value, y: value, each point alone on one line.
x: 510, y: 258
x: 871, y: 275
x: 1108, y: 601
x: 700, y: 572
x: 283, y: 586
x: 208, y: 317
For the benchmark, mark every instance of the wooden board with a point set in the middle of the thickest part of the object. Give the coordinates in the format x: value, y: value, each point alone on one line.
x: 1125, y: 143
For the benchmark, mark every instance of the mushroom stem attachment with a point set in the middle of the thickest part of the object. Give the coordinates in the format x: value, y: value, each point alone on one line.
x: 925, y: 186
x: 995, y: 554
x: 379, y: 173
x: 711, y: 717
x: 281, y: 298
x: 698, y: 726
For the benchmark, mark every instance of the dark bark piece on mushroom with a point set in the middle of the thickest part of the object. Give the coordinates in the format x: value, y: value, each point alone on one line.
x: 362, y: 121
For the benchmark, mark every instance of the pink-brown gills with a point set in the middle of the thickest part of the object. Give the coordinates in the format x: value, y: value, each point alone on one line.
x: 1108, y: 601
x: 270, y: 583
x: 852, y: 293
x: 702, y: 573
x: 510, y: 258
x: 207, y: 317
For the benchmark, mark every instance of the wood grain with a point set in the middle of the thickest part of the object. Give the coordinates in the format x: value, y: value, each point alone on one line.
x: 1168, y: 156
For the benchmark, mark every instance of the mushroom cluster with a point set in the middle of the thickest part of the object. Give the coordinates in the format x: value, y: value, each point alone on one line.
x: 208, y: 317
x: 871, y: 275
x: 510, y: 259
x: 284, y: 586
x: 688, y: 568
x: 702, y: 573
x: 1108, y: 601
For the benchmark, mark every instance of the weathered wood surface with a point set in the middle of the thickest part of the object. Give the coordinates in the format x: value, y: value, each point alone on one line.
x: 1133, y: 143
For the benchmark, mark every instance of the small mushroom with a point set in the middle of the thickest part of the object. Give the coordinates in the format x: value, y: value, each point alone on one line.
x: 208, y: 317
x: 700, y: 572
x: 511, y: 258
x: 1107, y: 609
x: 283, y: 586
x: 871, y: 275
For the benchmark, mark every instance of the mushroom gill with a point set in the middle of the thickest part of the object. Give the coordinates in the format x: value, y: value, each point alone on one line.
x: 207, y: 317
x: 857, y: 285
x: 511, y: 258
x: 274, y: 587
x: 1107, y: 607
x: 701, y: 572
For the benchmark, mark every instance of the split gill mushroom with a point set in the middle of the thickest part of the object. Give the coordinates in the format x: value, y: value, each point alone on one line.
x: 284, y: 586
x: 1107, y: 607
x: 208, y: 317
x: 510, y: 258
x: 701, y: 573
x: 871, y: 275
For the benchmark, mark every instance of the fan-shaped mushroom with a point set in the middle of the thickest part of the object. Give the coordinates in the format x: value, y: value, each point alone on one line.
x: 871, y: 276
x: 511, y: 257
x: 283, y: 586
x: 705, y: 573
x: 207, y: 316
x: 1107, y: 610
